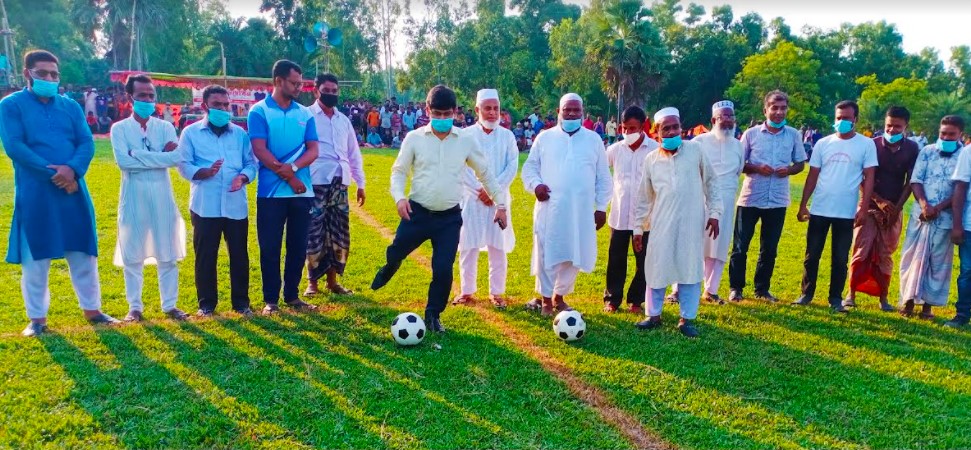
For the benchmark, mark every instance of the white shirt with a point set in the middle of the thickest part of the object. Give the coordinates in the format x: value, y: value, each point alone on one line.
x: 150, y: 228
x: 628, y: 168
x: 338, y: 152
x: 840, y: 163
x: 962, y: 172
x: 437, y: 167
x: 575, y: 169
x: 727, y: 157
x: 502, y: 156
x: 200, y: 148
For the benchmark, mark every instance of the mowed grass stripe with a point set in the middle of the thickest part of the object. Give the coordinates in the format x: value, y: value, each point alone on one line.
x: 632, y: 429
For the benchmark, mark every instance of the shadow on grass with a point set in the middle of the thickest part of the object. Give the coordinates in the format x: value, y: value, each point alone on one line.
x: 800, y: 397
x: 342, y: 382
x: 140, y: 402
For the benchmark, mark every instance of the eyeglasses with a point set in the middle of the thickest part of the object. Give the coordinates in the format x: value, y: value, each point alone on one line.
x: 41, y: 73
x: 147, y: 144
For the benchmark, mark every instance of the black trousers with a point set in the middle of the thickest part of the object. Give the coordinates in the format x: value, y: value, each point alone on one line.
x: 207, y: 233
x: 273, y: 215
x: 746, y: 219
x: 617, y: 255
x: 440, y: 227
x: 815, y: 241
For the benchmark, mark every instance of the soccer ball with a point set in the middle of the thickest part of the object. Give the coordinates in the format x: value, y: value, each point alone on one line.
x: 408, y: 329
x: 569, y: 325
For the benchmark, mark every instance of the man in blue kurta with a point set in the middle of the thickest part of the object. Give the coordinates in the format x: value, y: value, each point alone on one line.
x: 51, y: 146
x: 284, y: 139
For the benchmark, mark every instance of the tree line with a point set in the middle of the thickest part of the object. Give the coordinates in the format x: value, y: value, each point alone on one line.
x: 614, y: 53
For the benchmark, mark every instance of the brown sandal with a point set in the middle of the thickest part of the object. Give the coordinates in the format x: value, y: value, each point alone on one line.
x: 464, y: 300
x: 340, y: 290
x: 535, y: 304
x: 498, y: 302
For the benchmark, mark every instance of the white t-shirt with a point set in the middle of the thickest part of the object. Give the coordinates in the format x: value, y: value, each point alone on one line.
x: 840, y: 163
x: 962, y: 172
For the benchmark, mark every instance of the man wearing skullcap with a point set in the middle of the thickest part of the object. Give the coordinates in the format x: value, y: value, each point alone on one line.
x: 567, y: 171
x: 679, y: 199
x: 727, y: 159
x: 479, y: 228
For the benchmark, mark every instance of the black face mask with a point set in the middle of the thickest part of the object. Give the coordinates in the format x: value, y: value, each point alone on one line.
x: 329, y: 100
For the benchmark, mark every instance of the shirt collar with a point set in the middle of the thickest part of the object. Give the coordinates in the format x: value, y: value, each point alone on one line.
x: 428, y: 130
x: 272, y: 103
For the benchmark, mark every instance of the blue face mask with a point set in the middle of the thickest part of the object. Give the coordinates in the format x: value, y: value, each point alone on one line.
x: 892, y: 138
x: 441, y: 125
x: 843, y: 126
x: 44, y: 88
x: 671, y: 143
x: 777, y: 124
x: 947, y: 146
x: 570, y: 125
x: 143, y: 109
x: 219, y: 118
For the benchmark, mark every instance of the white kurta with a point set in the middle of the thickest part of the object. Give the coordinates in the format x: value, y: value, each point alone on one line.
x: 150, y: 228
x: 676, y: 191
x: 575, y: 169
x: 727, y: 157
x: 502, y: 157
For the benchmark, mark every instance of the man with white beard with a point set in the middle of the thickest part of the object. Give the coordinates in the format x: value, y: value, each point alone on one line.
x: 479, y: 228
x: 567, y: 171
x: 727, y: 157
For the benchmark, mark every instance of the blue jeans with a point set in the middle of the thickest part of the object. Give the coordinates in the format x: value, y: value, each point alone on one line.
x: 963, y: 305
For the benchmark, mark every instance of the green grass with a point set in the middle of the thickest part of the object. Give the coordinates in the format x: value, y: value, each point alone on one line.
x: 761, y: 376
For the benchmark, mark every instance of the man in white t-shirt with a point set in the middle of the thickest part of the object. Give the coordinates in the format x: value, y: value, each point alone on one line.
x: 839, y: 164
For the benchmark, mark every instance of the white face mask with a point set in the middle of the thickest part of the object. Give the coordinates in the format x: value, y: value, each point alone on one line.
x: 489, y: 124
x: 630, y: 139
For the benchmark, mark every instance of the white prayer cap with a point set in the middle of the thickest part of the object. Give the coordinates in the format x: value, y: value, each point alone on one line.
x: 569, y: 97
x: 486, y: 94
x: 722, y: 104
x: 665, y: 112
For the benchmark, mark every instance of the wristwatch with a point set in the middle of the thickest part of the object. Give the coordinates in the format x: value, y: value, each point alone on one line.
x: 294, y: 168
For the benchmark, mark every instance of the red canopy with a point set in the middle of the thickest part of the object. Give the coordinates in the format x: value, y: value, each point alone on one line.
x: 201, y: 81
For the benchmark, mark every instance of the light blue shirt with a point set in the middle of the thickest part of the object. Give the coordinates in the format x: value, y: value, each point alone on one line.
x: 286, y: 134
x: 777, y: 150
x: 200, y: 148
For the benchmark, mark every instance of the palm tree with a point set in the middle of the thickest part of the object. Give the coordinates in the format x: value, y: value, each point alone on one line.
x: 941, y: 104
x: 628, y: 48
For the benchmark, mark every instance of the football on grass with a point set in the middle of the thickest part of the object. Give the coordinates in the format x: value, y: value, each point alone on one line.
x: 569, y: 325
x: 408, y: 329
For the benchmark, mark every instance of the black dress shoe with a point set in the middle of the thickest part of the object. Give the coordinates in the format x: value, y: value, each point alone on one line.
x: 803, y: 300
x: 735, y: 295
x: 649, y: 324
x: 839, y: 308
x: 767, y: 296
x: 34, y: 329
x: 383, y: 276
x: 956, y: 322
x: 688, y: 329
x: 434, y: 323
x: 300, y: 305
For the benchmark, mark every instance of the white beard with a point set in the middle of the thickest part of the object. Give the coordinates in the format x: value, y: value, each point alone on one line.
x: 723, y: 134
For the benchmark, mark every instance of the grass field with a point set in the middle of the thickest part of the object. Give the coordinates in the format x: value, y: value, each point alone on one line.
x: 761, y: 376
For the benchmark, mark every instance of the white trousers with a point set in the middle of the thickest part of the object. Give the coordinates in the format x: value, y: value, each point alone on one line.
x: 689, y: 296
x: 168, y: 285
x: 469, y: 270
x: 36, y: 291
x: 714, y: 268
x: 559, y: 280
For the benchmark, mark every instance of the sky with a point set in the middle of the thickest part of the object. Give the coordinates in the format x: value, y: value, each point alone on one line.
x: 919, y: 22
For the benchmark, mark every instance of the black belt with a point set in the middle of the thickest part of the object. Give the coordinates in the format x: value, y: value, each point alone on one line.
x: 415, y: 206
